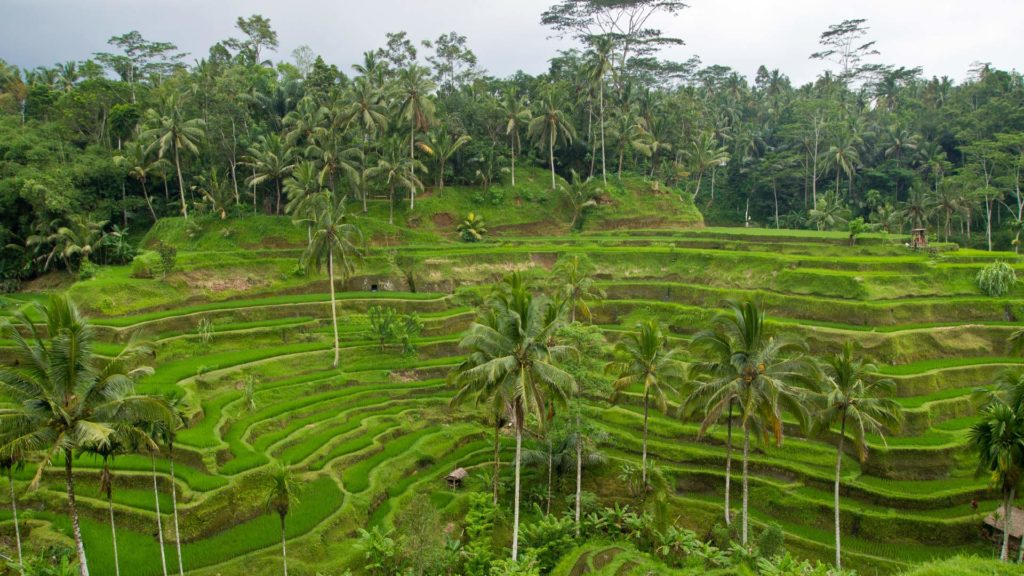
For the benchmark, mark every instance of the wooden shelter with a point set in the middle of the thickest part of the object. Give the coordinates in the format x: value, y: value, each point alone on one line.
x: 919, y: 238
x: 994, y: 526
x: 455, y: 478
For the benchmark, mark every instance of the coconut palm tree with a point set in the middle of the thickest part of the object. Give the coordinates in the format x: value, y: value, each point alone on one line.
x: 308, y: 121
x: 282, y: 493
x: 363, y: 108
x: 272, y: 159
x: 516, y: 115
x: 581, y: 196
x: 416, y: 108
x: 844, y: 156
x: 394, y: 170
x: 8, y: 465
x: 440, y: 144
x: 136, y: 159
x: 73, y: 244
x: 303, y: 189
x: 761, y: 374
x: 550, y: 127
x: 705, y: 154
x: 599, y: 65
x: 646, y: 360
x: 170, y: 132
x: 217, y: 193
x: 575, y: 273
x: 156, y: 431
x: 852, y: 398
x: 998, y: 440
x: 65, y: 398
x: 518, y: 362
x: 335, y: 241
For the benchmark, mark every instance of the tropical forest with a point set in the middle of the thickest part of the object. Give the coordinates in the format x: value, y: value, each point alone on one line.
x: 264, y: 312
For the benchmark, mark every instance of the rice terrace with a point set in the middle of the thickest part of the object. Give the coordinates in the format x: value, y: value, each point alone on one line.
x: 271, y: 311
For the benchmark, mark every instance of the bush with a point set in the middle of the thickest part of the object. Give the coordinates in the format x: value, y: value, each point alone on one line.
x: 770, y: 541
x: 472, y: 229
x: 146, y: 265
x: 997, y: 279
x: 168, y: 257
x: 87, y: 270
x: 548, y: 539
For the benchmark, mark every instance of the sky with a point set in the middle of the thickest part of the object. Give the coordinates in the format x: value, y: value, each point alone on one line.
x: 943, y: 36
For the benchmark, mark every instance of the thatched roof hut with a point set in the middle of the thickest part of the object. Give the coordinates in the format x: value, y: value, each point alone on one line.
x: 456, y: 477
x: 994, y: 525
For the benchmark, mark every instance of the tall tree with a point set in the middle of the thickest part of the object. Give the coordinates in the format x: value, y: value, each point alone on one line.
x: 519, y: 359
x: 335, y: 242
x: 170, y: 132
x: 517, y: 115
x: 417, y: 109
x: 852, y: 397
x: 282, y: 493
x: 998, y: 441
x: 67, y: 398
x: 646, y: 360
x: 550, y: 127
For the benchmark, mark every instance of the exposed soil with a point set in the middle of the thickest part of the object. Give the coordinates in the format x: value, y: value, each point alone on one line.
x: 443, y: 220
x: 237, y: 280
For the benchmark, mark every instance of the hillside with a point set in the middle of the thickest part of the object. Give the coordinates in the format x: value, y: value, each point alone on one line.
x: 374, y: 436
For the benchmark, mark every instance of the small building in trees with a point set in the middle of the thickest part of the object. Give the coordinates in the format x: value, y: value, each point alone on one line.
x: 919, y: 238
x: 994, y: 526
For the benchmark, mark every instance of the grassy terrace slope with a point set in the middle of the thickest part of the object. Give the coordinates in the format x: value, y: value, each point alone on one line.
x: 376, y: 433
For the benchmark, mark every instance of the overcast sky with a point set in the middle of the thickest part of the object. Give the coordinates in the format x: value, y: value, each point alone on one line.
x: 943, y: 36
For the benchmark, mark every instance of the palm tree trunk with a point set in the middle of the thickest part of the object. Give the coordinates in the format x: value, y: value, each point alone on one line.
x: 497, y: 457
x: 515, y: 514
x: 17, y: 529
x: 579, y: 468
x: 440, y: 179
x: 700, y: 176
x: 181, y: 184
x: 513, y: 142
x: 600, y: 99
x: 728, y: 465
x: 551, y: 157
x: 746, y: 480
x: 76, y: 528
x: 113, y: 531
x: 412, y: 158
x: 284, y: 548
x: 149, y: 203
x: 334, y: 307
x: 277, y: 184
x: 643, y: 458
x: 391, y: 205
x: 1004, y: 553
x: 839, y: 464
x: 159, y: 522
x: 547, y: 509
x: 174, y: 510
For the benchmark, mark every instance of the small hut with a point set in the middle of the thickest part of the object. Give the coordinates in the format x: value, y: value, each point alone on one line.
x: 455, y: 478
x: 919, y: 238
x: 994, y: 526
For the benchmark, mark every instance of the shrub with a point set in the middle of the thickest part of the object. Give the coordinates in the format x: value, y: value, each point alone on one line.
x: 770, y: 541
x: 168, y: 257
x: 548, y: 539
x: 472, y: 228
x: 996, y: 279
x: 145, y: 265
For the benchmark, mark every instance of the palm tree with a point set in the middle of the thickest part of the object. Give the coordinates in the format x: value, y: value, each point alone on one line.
x: 706, y: 154
x: 303, y: 188
x: 516, y: 115
x: 157, y: 431
x: 852, y: 396
x: 281, y: 494
x: 829, y: 213
x: 306, y: 122
x: 517, y: 362
x: 915, y: 209
x: 575, y: 272
x: 550, y: 127
x: 136, y: 160
x: 439, y: 144
x: 757, y: 373
x: 998, y: 440
x: 599, y: 65
x: 646, y: 360
x: 127, y: 436
x: 393, y: 169
x: 366, y: 111
x: 334, y: 239
x: 216, y: 192
x: 844, y: 156
x: 65, y: 398
x: 73, y: 243
x: 945, y: 200
x: 8, y: 465
x: 171, y: 132
x: 272, y: 159
x: 581, y: 196
x: 417, y: 109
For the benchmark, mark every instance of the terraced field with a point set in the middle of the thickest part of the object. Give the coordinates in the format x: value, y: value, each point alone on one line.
x: 376, y: 433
